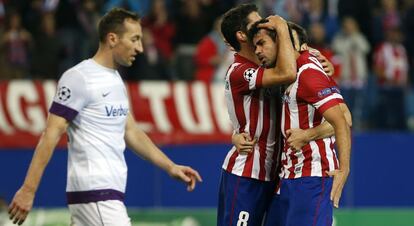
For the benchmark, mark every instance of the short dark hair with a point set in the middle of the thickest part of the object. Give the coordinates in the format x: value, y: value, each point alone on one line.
x: 302, y: 34
x: 255, y: 29
x: 236, y: 20
x: 113, y: 21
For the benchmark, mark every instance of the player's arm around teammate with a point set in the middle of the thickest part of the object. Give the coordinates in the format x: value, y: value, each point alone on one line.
x: 284, y: 72
x: 23, y: 199
x: 297, y: 138
x: 141, y: 144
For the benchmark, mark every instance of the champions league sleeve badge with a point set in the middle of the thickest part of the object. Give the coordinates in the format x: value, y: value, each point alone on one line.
x: 248, y: 74
x: 64, y: 93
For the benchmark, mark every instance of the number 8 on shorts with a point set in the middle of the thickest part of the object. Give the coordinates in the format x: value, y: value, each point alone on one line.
x: 243, y: 218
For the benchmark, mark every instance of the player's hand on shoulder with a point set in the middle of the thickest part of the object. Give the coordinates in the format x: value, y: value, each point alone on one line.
x: 243, y: 142
x: 327, y: 65
x: 21, y: 205
x: 185, y: 174
x: 274, y: 22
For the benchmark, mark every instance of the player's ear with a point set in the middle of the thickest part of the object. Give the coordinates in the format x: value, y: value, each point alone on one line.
x: 112, y: 39
x: 304, y: 47
x: 241, y: 36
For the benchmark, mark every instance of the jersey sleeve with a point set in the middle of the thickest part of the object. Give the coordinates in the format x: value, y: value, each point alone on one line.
x: 318, y: 89
x: 71, y: 95
x: 246, y: 78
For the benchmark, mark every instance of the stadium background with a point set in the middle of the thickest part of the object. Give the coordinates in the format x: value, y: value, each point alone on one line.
x: 176, y: 94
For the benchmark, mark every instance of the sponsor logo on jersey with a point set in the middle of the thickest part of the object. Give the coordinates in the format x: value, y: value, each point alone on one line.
x: 112, y: 111
x: 105, y: 94
x: 328, y: 91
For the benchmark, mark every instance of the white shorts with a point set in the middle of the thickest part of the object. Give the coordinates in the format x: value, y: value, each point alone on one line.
x: 102, y: 213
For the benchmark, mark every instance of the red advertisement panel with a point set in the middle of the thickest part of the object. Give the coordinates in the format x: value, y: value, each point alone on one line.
x: 170, y: 113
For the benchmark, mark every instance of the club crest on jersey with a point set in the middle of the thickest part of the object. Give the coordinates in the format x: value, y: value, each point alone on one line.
x: 286, y: 98
x: 248, y: 74
x: 64, y: 93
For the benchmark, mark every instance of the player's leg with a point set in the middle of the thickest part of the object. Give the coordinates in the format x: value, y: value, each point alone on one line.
x: 276, y: 214
x: 114, y: 213
x: 309, y: 203
x: 84, y: 214
x: 108, y: 213
x: 242, y: 201
x: 221, y: 199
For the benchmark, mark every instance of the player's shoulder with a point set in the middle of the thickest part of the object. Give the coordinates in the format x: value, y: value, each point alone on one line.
x: 243, y: 72
x: 75, y: 74
x: 308, y: 64
x: 306, y: 58
x: 243, y: 65
x: 245, y: 68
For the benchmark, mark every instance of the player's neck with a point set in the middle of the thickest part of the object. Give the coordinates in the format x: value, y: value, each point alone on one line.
x: 247, y: 52
x: 104, y: 57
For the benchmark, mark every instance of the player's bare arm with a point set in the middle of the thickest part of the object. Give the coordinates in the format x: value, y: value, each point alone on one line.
x: 141, y: 144
x: 284, y: 71
x: 297, y: 138
x: 347, y: 113
x: 23, y: 199
x: 336, y: 118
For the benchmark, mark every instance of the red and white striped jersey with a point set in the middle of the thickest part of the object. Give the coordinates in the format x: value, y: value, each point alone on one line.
x: 394, y: 61
x: 256, y: 111
x: 304, y: 102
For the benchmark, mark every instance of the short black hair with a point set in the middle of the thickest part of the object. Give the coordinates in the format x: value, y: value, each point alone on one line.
x: 113, y: 21
x: 236, y: 20
x: 255, y: 29
x: 302, y: 34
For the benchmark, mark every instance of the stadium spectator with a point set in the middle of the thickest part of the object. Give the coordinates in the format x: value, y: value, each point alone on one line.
x: 150, y: 65
x: 386, y: 17
x: 352, y: 49
x: 2, y: 12
x: 162, y: 29
x: 391, y: 68
x: 47, y: 51
x: 88, y: 17
x: 16, y: 43
x: 197, y: 16
x: 141, y: 6
x: 69, y: 33
x: 317, y: 40
x: 159, y: 33
x: 210, y: 53
x: 317, y: 13
x: 408, y: 24
x: 32, y: 15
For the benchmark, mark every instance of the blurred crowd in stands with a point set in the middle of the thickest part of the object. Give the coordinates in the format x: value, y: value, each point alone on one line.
x: 370, y: 42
